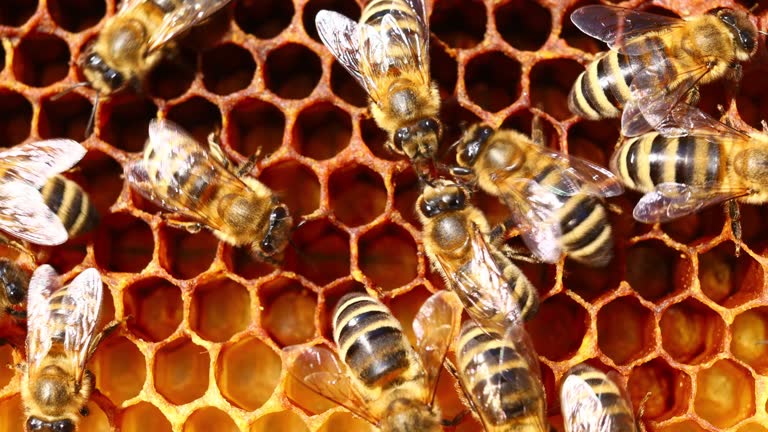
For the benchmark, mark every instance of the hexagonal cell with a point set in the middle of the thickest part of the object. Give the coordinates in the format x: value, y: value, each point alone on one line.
x: 706, y: 223
x: 346, y: 422
x: 625, y: 330
x: 751, y: 105
x: 749, y: 333
x: 654, y: 270
x: 6, y: 358
x: 295, y: 184
x: 558, y: 329
x: 407, y: 191
x: 120, y: 369
x: 227, y: 68
x: 292, y: 71
x: 551, y: 81
x: 683, y: 426
x: 691, y: 332
x: 589, y: 283
x: 752, y: 427
x: 575, y: 37
x: 123, y: 121
x: 460, y: 24
x: 322, y: 131
x: 321, y: 253
x: 405, y: 307
x: 330, y: 298
x: 348, y: 8
x: 101, y: 177
x: 255, y: 126
x: 244, y: 382
x: 181, y: 371
x: 444, y: 70
x: 357, y: 195
x: 173, y: 75
x: 667, y: 388
x: 125, y: 244
x: 244, y: 263
x: 375, y: 139
x: 40, y: 60
x: 15, y: 117
x: 455, y: 119
x: 65, y: 117
x: 524, y: 24
x: 729, y: 280
x: 389, y: 256
x: 725, y: 394
x: 219, y: 310
x: 209, y: 419
x: 144, y: 417
x: 346, y: 87
x: 156, y: 307
x: 90, y: 12
x: 263, y: 18
x: 68, y: 255
x: 17, y: 13
x: 288, y: 311
x: 186, y: 255
x: 198, y: 116
x: 492, y: 80
x: 283, y: 420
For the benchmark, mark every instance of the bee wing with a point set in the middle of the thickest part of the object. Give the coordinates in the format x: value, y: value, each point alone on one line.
x: 618, y: 26
x: 319, y: 368
x: 128, y: 4
x: 188, y: 14
x: 36, y: 162
x: 669, y: 201
x: 342, y: 37
x: 435, y: 326
x: 24, y: 214
x: 582, y: 408
x: 44, y: 281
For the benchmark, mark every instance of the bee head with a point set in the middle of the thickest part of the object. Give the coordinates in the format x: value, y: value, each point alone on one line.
x: 103, y: 78
x: 278, y: 231
x: 419, y: 140
x: 441, y: 198
x: 35, y: 424
x: 406, y: 415
x: 470, y: 145
x: 743, y: 30
x: 14, y: 282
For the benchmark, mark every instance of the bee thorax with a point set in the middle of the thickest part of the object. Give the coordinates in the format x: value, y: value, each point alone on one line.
x: 405, y: 415
x: 403, y: 103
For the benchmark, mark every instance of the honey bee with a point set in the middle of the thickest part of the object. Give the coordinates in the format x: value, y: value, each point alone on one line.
x: 134, y: 40
x: 380, y: 377
x: 14, y: 282
x: 656, y: 63
x: 35, y: 205
x: 56, y: 385
x: 554, y: 199
x: 491, y: 288
x: 388, y: 54
x: 177, y: 174
x: 499, y: 374
x: 592, y: 402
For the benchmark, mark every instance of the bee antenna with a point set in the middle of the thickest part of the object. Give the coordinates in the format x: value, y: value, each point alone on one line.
x: 92, y: 118
x: 68, y: 90
x: 763, y: 32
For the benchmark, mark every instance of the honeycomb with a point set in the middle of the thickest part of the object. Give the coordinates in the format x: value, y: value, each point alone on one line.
x: 677, y: 313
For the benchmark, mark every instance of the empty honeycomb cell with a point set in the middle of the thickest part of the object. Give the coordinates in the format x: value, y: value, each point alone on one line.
x: 186, y: 255
x: 750, y: 334
x: 181, y: 371
x: 575, y: 37
x: 95, y: 421
x: 65, y: 117
x: 120, y: 369
x: 322, y: 131
x: 444, y: 70
x: 524, y: 24
x: 751, y: 98
x: 652, y: 270
x: 198, y: 116
x: 282, y: 420
x: 550, y: 386
x: 304, y: 398
x: 725, y: 394
x: 16, y: 13
x: 101, y: 177
x: 691, y: 332
x: 125, y: 245
x: 375, y: 139
x: 667, y: 389
x: 348, y: 8
x: 248, y: 374
x: 40, y: 60
x: 295, y: 184
x: 346, y: 87
x: 684, y: 426
x: 459, y: 24
x: 407, y: 191
x: 219, y: 309
x: 6, y: 358
x: 492, y: 80
x: 700, y: 225
x: 729, y: 280
x: 144, y: 417
x: 455, y: 120
x: 243, y: 262
x: 357, y: 194
x: 209, y: 419
x: 288, y: 311
x: 292, y: 71
x: 589, y: 283
x: 255, y: 126
x: 625, y: 330
x: 388, y: 255
x: 155, y: 308
x: 593, y: 141
x: 89, y: 13
x: 264, y: 19
x: 68, y: 255
x: 752, y: 427
x: 227, y: 68
x: 405, y: 307
x: 124, y: 121
x: 343, y: 421
x: 551, y: 81
x: 15, y: 118
x: 173, y: 75
x: 558, y: 328
x: 321, y: 252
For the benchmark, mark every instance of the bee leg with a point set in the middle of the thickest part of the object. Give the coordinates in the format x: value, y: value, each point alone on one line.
x: 641, y: 412
x: 18, y: 247
x: 248, y: 165
x: 692, y: 96
x: 216, y: 152
x: 464, y: 396
x: 764, y: 125
x: 537, y: 131
x: 516, y: 254
x: 734, y: 214
x: 190, y: 227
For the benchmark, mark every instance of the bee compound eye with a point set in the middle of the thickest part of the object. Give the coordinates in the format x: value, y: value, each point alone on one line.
x: 93, y: 60
x: 34, y: 424
x: 402, y: 135
x: 15, y: 293
x: 63, y: 426
x: 278, y: 214
x: 113, y: 78
x: 431, y: 124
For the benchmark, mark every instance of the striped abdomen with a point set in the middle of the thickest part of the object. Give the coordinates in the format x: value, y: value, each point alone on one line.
x: 611, y: 413
x: 602, y: 90
x: 371, y: 342
x: 407, y: 21
x: 71, y: 204
x: 499, y: 381
x: 189, y: 181
x: 519, y: 287
x: 650, y: 159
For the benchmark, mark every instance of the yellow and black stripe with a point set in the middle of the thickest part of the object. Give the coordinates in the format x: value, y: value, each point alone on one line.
x: 614, y: 412
x: 408, y: 22
x: 71, y: 204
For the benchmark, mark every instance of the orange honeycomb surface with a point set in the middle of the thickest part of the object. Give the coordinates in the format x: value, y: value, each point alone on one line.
x: 676, y: 313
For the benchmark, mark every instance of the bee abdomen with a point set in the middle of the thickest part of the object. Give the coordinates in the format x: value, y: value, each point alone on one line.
x: 612, y: 402
x: 407, y: 22
x: 586, y: 232
x: 71, y: 204
x: 602, y: 90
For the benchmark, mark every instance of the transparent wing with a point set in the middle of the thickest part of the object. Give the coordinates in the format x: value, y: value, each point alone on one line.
x: 584, y: 410
x: 342, y: 37
x: 44, y: 281
x: 318, y: 368
x: 24, y: 214
x: 435, y: 326
x: 36, y: 162
x: 669, y: 201
x: 616, y: 26
x: 188, y: 14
